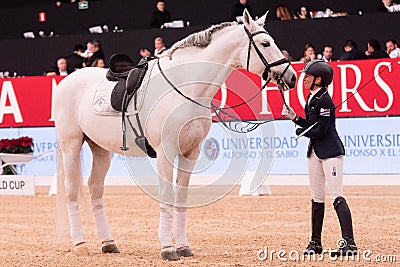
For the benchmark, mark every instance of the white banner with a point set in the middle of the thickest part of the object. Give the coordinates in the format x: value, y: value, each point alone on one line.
x: 17, y: 185
x: 372, y: 147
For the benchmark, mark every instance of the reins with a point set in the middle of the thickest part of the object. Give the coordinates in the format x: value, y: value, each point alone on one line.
x: 218, y: 110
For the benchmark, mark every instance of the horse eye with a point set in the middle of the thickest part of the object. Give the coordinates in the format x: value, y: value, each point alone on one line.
x: 266, y: 44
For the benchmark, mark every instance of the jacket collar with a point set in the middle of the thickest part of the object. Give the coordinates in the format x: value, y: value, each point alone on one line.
x: 318, y: 95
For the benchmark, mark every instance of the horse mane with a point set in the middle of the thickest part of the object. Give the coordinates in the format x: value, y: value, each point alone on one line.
x: 199, y: 39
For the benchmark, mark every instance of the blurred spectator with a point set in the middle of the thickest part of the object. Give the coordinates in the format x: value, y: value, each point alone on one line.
x: 159, y: 47
x: 388, y: 6
x: 160, y: 15
x: 309, y: 53
x: 98, y: 62
x: 392, y: 49
x: 327, y: 53
x: 60, y: 69
x: 304, y: 13
x: 287, y: 55
x: 92, y: 52
x: 144, y: 52
x: 238, y: 8
x: 351, y: 51
x: 283, y: 13
x: 75, y: 60
x: 374, y: 50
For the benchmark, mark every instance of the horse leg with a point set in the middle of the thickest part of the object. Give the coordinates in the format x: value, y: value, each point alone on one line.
x: 101, y: 164
x: 185, y: 167
x: 166, y: 191
x: 70, y: 149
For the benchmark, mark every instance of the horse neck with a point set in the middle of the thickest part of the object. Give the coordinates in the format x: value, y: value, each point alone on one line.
x: 214, y: 63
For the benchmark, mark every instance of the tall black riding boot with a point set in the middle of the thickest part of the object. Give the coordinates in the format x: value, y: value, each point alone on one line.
x: 346, y: 224
x: 317, y: 218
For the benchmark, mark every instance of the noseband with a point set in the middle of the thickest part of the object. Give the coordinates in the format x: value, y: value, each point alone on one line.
x: 267, y: 65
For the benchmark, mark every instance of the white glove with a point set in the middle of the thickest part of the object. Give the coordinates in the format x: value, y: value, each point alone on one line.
x: 288, y: 112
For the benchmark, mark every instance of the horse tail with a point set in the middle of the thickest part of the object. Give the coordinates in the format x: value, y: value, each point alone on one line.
x: 62, y: 224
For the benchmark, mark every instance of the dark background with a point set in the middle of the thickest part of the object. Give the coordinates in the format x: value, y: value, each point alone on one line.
x: 70, y: 26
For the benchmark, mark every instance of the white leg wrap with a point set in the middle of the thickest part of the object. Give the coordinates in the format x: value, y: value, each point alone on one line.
x: 100, y: 219
x: 75, y: 223
x: 180, y: 227
x: 165, y: 226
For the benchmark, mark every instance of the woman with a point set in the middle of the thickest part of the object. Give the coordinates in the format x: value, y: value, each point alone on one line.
x: 325, y: 157
x: 98, y: 62
x: 283, y: 13
x: 309, y: 53
x: 304, y: 13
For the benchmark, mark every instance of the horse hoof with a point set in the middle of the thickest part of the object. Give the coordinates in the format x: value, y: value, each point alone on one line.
x: 81, y: 250
x: 169, y: 255
x: 184, y: 252
x: 110, y: 248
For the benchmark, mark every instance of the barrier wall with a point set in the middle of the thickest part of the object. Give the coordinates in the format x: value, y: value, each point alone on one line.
x: 372, y: 147
x: 27, y: 102
x: 368, y: 123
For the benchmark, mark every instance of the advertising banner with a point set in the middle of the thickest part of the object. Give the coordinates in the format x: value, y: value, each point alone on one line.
x: 372, y: 147
x: 362, y: 88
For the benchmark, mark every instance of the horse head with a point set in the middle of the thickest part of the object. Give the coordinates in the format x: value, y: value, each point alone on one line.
x: 263, y: 57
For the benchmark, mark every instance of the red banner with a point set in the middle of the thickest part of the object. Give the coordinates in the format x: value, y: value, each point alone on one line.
x: 359, y: 89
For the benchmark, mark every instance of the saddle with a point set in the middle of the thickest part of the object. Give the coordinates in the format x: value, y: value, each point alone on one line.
x: 129, y: 78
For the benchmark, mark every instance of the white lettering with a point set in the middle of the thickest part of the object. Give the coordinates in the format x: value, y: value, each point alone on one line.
x: 8, y: 92
x: 300, y: 93
x: 265, y: 109
x: 224, y: 97
x: 345, y: 90
x: 385, y: 87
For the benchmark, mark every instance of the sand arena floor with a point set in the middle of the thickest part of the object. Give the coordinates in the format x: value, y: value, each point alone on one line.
x: 229, y: 232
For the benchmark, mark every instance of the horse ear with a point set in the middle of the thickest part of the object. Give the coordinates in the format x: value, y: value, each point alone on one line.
x: 247, y: 20
x: 261, y: 21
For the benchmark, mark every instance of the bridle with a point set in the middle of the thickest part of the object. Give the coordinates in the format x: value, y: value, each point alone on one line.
x: 280, y: 83
x: 267, y: 65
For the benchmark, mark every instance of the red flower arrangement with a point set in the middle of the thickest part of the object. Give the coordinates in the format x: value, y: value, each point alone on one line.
x: 20, y: 145
x: 23, y: 144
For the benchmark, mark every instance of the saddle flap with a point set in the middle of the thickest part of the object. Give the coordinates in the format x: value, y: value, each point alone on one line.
x: 135, y: 78
x: 117, y: 96
x: 121, y: 63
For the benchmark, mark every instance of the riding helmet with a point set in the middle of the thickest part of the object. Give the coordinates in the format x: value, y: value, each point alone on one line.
x: 319, y: 68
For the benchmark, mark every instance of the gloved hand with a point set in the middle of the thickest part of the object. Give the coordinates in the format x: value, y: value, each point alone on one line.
x: 288, y: 112
x: 300, y: 130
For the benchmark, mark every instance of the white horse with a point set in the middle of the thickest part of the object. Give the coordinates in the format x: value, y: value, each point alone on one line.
x: 173, y: 124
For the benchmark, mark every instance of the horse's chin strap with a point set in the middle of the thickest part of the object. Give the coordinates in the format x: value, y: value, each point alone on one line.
x: 267, y: 65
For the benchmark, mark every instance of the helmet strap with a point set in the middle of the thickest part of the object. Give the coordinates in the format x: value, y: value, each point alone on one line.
x: 313, y: 85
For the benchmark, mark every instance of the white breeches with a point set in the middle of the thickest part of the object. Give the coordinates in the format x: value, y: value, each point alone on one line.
x: 325, y: 171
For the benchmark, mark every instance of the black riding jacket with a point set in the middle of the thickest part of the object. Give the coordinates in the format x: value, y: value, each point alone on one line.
x: 324, y: 138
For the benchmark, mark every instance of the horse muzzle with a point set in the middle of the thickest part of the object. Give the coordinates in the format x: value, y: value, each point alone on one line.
x: 285, y: 81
